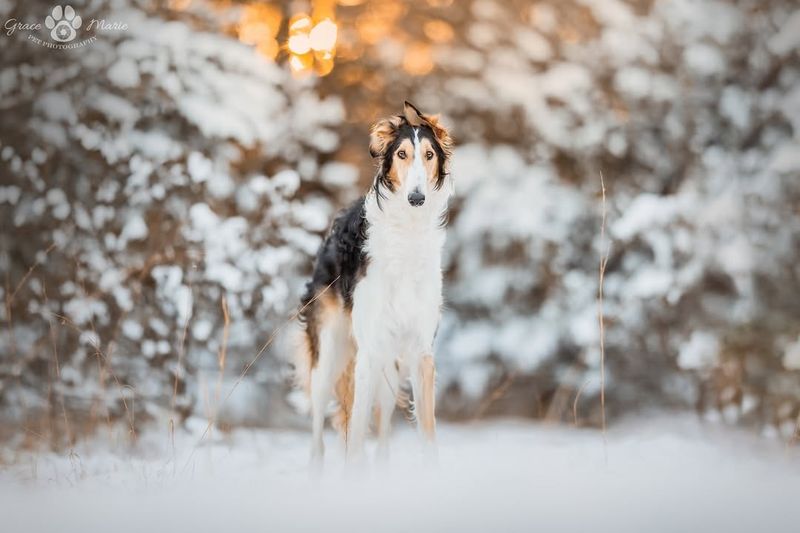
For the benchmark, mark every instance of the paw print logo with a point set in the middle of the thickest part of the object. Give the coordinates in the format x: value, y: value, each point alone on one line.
x: 62, y: 24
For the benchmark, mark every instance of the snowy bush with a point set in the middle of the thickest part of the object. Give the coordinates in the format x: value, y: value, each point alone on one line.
x: 689, y: 110
x: 152, y: 178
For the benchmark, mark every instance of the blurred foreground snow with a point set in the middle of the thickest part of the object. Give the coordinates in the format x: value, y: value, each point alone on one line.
x: 663, y: 474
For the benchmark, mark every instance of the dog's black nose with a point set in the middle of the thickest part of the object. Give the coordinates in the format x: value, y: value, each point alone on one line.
x: 416, y: 198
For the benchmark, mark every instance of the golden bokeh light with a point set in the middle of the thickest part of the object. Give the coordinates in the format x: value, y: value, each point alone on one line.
x: 299, y: 44
x: 438, y: 31
x: 323, y: 65
x: 258, y: 26
x: 301, y: 64
x: 372, y: 28
x: 313, y: 37
x: 179, y: 5
x: 312, y: 42
x: 300, y: 23
x: 418, y: 59
x: 268, y: 48
x: 323, y: 36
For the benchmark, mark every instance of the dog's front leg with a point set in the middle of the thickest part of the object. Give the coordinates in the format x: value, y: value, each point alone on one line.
x: 363, y: 391
x: 423, y: 385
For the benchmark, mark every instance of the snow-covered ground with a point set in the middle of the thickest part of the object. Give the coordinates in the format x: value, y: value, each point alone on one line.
x: 662, y: 474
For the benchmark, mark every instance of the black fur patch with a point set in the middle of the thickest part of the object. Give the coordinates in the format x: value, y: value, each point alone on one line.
x: 341, y: 256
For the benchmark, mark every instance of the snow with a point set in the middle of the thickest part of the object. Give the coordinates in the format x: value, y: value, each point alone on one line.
x: 135, y: 229
x: 694, y: 20
x: 544, y: 17
x: 701, y: 351
x: 787, y: 39
x: 286, y: 180
x: 633, y: 81
x: 114, y: 106
x: 666, y: 474
x: 201, y: 329
x: 339, y: 174
x: 10, y: 194
x: 735, y: 105
x: 176, y: 296
x: 82, y: 310
x: 647, y: 211
x: 704, y: 59
x: 786, y: 158
x: 57, y: 107
x: 124, y: 73
x: 199, y: 167
x: 474, y: 379
x: 791, y: 356
x: 132, y: 329
x: 536, y: 47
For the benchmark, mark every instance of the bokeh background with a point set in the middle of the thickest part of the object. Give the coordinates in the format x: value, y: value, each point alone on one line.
x: 165, y: 187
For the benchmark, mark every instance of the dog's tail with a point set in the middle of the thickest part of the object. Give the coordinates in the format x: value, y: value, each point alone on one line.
x: 304, y: 347
x: 301, y: 360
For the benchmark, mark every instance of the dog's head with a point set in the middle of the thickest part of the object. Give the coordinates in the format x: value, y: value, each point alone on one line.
x: 413, y: 154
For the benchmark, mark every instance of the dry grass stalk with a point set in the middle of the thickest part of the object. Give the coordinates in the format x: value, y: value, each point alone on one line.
x: 29, y: 272
x: 59, y: 391
x: 495, y: 395
x: 575, y: 403
x: 223, y: 350
x: 103, y: 359
x: 253, y: 361
x: 601, y: 318
x: 181, y: 349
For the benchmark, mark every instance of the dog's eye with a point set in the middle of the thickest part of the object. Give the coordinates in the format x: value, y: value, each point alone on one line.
x: 401, y: 154
x: 429, y: 155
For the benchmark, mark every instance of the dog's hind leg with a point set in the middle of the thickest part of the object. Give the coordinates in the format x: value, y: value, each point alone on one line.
x: 333, y: 354
x: 321, y: 392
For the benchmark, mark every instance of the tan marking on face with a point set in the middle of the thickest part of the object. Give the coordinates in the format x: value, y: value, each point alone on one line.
x: 430, y: 160
x: 442, y: 137
x: 400, y: 166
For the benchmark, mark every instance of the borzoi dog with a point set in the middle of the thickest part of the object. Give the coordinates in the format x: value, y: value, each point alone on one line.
x: 372, y: 307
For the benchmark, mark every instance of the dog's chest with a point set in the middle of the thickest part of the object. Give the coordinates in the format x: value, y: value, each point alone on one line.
x: 404, y: 280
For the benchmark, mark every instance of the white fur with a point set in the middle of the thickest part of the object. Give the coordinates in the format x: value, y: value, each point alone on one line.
x: 417, y: 179
x: 397, y: 305
x: 395, y: 314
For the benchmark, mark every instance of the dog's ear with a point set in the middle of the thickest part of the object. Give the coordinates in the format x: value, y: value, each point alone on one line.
x: 382, y: 134
x: 415, y: 117
x: 412, y: 114
x: 441, y: 134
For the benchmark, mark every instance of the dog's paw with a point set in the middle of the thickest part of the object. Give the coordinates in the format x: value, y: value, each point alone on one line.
x: 62, y: 24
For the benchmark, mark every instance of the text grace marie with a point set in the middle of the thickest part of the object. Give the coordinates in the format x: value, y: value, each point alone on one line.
x: 12, y: 25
